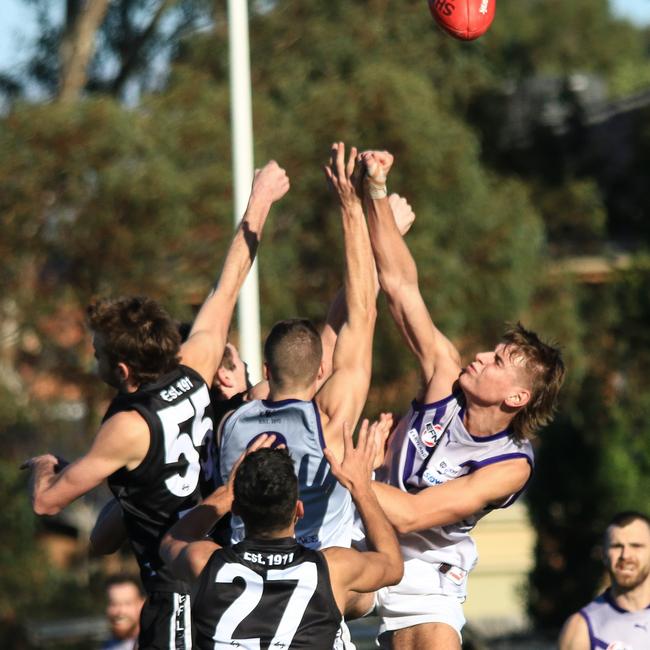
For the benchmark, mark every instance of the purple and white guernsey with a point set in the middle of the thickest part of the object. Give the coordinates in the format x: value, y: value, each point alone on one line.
x: 431, y: 446
x: 613, y: 628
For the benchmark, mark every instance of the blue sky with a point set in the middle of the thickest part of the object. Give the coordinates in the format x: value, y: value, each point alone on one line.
x: 17, y: 26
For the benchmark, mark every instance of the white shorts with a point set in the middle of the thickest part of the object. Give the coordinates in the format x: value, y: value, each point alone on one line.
x: 424, y: 595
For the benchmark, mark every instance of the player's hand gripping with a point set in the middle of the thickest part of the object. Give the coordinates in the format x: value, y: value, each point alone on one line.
x: 378, y: 164
x: 270, y: 183
x: 354, y: 472
x: 344, y: 177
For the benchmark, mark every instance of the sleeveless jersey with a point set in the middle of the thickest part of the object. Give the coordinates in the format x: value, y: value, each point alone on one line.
x: 431, y: 446
x: 329, y: 514
x: 176, y: 469
x: 613, y: 628
x: 265, y: 594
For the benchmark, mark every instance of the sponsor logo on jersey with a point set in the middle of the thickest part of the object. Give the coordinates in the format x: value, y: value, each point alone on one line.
x: 430, y: 479
x: 618, y: 645
x: 456, y: 575
x: 445, y: 468
x: 417, y: 443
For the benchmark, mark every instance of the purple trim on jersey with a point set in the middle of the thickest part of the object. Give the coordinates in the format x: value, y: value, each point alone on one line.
x: 270, y: 404
x: 593, y: 641
x: 321, y: 437
x: 609, y: 599
x: 419, y: 406
x: 477, y: 464
x: 436, y: 420
x: 420, y: 409
x: 474, y: 465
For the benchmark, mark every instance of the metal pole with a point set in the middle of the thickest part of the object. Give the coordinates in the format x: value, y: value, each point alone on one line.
x: 248, y: 307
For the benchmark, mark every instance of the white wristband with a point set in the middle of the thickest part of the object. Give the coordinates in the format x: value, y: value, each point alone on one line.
x: 377, y: 191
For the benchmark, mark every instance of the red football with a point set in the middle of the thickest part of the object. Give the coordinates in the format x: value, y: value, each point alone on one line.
x: 463, y: 19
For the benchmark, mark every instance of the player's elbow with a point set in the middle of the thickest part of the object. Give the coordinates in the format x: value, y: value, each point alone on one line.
x: 42, y: 506
x: 165, y: 549
x: 407, y: 523
x: 394, y: 568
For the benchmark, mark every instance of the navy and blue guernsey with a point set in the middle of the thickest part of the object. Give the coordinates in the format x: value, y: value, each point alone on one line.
x: 328, y: 519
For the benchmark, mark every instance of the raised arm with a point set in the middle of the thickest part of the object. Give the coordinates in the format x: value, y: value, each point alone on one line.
x: 337, y: 312
x: 382, y: 565
x: 438, y: 358
x: 204, y: 347
x: 342, y: 397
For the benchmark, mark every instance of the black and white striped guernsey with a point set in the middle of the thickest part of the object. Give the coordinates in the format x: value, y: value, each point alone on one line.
x: 265, y: 594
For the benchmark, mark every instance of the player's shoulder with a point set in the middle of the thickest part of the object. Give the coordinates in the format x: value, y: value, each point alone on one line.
x: 124, y: 427
x: 574, y: 634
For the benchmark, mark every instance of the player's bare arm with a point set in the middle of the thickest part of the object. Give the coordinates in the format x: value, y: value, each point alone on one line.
x: 109, y: 532
x: 574, y: 634
x: 337, y: 312
x: 438, y: 358
x: 185, y: 548
x: 205, y: 345
x: 122, y: 441
x: 350, y: 570
x: 342, y: 397
x: 453, y: 501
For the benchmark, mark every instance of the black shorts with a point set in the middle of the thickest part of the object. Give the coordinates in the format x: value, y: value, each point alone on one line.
x: 165, y: 622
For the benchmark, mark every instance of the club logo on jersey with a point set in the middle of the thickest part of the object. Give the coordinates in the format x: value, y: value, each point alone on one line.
x: 431, y: 434
x: 279, y: 439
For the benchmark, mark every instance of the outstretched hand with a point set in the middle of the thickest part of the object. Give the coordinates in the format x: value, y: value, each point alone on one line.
x: 354, y: 472
x: 402, y: 213
x: 344, y: 178
x: 263, y: 441
x: 383, y: 427
x: 270, y: 183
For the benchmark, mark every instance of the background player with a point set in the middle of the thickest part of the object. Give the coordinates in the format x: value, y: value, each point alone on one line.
x: 307, y: 418
x: 150, y: 443
x: 620, y: 617
x: 461, y: 450
x: 292, y: 596
x: 124, y: 600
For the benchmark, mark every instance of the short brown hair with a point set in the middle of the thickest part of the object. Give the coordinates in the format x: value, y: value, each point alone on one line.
x: 293, y: 352
x: 546, y: 370
x: 138, y: 332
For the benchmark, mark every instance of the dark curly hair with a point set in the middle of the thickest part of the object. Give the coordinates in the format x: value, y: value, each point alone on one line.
x: 137, y: 331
